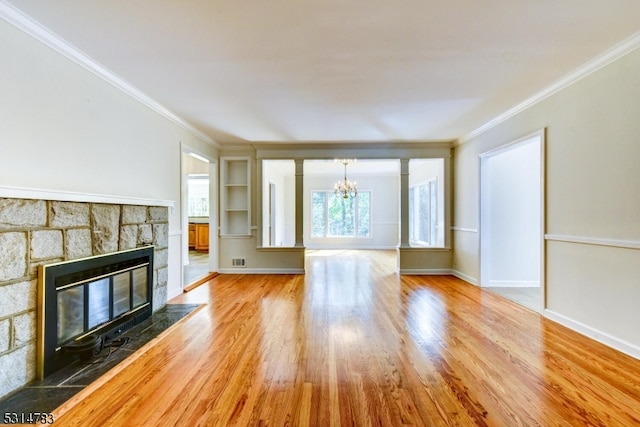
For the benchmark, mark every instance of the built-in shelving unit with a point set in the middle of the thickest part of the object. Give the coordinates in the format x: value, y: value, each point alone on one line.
x: 235, y: 196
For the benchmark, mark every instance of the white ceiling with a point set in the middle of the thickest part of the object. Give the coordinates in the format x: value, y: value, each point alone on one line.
x: 339, y: 70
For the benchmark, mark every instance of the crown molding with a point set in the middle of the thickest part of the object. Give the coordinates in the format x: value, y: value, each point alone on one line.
x: 28, y: 25
x: 616, y: 52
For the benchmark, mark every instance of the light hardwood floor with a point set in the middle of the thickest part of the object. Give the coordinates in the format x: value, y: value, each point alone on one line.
x: 353, y: 343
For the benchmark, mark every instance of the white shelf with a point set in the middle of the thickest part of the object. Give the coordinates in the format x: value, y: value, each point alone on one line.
x: 235, y: 197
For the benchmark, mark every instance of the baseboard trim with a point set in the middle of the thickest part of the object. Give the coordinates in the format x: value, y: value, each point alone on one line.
x: 514, y: 284
x: 173, y: 294
x: 262, y: 271
x: 426, y: 271
x: 602, y: 337
x: 193, y: 285
x: 465, y: 277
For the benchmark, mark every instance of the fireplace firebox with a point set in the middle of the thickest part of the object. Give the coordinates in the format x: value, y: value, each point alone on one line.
x: 84, y: 303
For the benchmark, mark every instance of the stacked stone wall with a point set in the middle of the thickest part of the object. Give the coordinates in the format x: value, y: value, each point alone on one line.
x: 38, y: 232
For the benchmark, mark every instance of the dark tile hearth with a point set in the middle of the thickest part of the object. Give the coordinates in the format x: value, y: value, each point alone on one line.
x: 53, y: 391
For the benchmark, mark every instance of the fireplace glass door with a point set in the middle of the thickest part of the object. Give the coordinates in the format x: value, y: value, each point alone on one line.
x: 70, y: 313
x: 83, y: 307
x: 99, y: 302
x: 121, y: 294
x: 139, y: 287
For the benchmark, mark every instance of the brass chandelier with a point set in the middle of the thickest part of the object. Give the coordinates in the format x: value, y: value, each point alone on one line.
x: 345, y: 188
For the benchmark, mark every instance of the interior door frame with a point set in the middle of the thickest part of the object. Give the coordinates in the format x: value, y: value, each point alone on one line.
x: 485, y: 232
x: 213, y: 210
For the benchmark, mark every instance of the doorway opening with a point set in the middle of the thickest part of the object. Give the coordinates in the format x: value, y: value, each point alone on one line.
x: 368, y: 220
x: 199, y: 218
x: 512, y: 221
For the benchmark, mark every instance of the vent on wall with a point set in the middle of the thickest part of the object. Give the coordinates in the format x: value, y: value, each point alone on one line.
x: 238, y: 262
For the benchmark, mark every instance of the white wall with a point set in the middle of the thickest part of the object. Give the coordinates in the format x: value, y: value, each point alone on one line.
x: 592, y: 203
x: 63, y: 129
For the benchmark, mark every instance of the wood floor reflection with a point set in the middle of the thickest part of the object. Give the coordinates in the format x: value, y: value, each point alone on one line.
x: 353, y: 343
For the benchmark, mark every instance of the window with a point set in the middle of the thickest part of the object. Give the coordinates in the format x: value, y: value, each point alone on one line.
x: 335, y: 216
x: 426, y: 202
x: 423, y: 213
x: 198, y: 195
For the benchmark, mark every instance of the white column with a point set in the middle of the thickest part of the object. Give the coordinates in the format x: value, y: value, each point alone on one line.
x: 404, y: 203
x: 299, y: 200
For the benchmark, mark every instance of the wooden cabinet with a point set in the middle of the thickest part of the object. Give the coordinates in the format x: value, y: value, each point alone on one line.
x: 202, y: 237
x: 199, y: 237
x: 192, y: 236
x: 235, y: 196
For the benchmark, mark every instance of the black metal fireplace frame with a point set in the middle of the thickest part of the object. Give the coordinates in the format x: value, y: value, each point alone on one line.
x: 50, y: 354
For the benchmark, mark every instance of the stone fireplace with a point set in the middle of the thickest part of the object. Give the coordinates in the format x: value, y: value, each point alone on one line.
x: 34, y: 233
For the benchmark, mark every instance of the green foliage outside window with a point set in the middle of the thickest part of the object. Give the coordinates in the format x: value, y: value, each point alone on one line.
x: 317, y: 213
x: 335, y: 216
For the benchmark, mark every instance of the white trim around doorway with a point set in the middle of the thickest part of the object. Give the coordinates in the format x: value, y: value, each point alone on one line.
x: 534, y: 137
